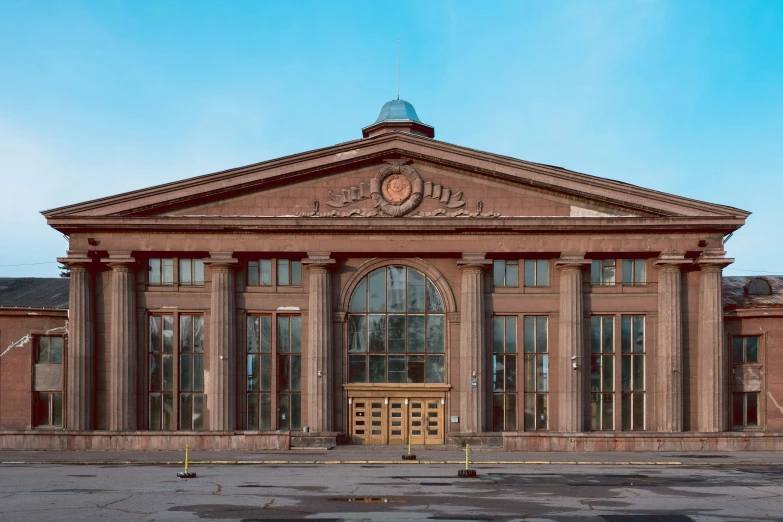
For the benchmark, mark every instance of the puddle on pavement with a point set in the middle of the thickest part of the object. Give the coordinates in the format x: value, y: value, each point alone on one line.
x: 369, y: 500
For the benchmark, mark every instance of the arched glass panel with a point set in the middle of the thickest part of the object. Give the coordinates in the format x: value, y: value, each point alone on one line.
x: 396, y: 328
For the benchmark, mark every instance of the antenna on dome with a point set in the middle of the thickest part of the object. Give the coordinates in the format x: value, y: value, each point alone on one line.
x: 398, y: 68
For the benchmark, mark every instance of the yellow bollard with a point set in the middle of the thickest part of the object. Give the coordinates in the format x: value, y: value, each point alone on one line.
x: 409, y: 456
x: 186, y: 473
x: 467, y: 472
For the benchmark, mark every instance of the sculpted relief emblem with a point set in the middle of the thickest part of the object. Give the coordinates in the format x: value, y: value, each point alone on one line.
x: 397, y: 190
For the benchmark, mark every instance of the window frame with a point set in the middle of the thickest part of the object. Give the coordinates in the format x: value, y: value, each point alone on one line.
x: 602, y: 356
x: 744, y: 395
x: 744, y: 349
x: 604, y: 265
x: 534, y: 352
x: 510, y: 359
x: 37, y: 395
x: 536, y: 265
x: 634, y: 263
x: 155, y: 274
x: 254, y: 272
x: 634, y: 357
x: 506, y: 273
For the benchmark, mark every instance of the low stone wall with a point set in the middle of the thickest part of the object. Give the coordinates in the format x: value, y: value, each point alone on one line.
x: 142, y: 440
x: 715, y: 442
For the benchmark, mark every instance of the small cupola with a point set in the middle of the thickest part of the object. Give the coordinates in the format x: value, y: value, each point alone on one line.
x: 400, y: 116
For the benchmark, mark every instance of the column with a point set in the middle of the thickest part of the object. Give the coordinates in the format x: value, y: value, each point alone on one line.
x: 473, y: 359
x: 712, y: 375
x: 668, y: 353
x: 123, y: 377
x: 79, y: 386
x: 218, y: 383
x: 318, y: 359
x: 571, y: 363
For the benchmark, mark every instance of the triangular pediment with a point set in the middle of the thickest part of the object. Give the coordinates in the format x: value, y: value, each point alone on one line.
x: 382, y: 176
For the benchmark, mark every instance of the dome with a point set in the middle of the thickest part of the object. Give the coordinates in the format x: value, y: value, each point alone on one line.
x: 397, y: 110
x: 398, y: 116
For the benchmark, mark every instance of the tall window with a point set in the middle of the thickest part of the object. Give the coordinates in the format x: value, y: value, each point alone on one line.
x: 632, y: 372
x: 289, y: 372
x: 536, y: 372
x: 634, y: 271
x: 176, y: 373
x: 536, y: 272
x: 602, y: 372
x: 504, y: 373
x: 191, y: 272
x: 745, y: 410
x: 259, y: 372
x: 48, y: 381
x: 396, y: 328
x: 602, y: 272
x: 745, y: 403
x: 505, y: 272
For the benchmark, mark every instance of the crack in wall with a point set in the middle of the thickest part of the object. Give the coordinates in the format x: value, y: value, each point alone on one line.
x: 27, y: 338
x: 778, y: 406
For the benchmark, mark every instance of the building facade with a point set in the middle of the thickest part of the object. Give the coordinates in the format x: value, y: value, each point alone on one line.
x: 399, y: 288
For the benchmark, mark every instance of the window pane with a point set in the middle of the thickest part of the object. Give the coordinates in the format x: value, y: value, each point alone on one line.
x: 357, y: 368
x: 434, y: 300
x: 530, y: 334
x: 155, y: 376
x: 638, y: 411
x: 377, y: 290
x: 359, y: 297
x: 608, y: 278
x: 499, y: 272
x: 265, y: 412
x: 155, y: 407
x: 44, y: 349
x: 530, y: 411
x: 608, y: 379
x: 595, y: 272
x: 608, y: 334
x: 185, y: 374
x: 608, y: 411
x: 396, y: 288
x: 296, y: 273
x: 56, y: 354
x: 252, y: 334
x: 396, y: 368
x: 377, y: 329
x: 185, y: 412
x: 154, y: 271
x: 42, y: 419
x: 154, y: 334
x: 542, y: 278
x: 283, y: 335
x: 542, y: 372
x: 541, y: 411
x: 265, y: 338
x: 595, y: 334
x: 530, y: 373
x: 185, y: 333
x: 377, y: 368
x: 198, y: 271
x: 168, y: 373
x: 282, y: 272
x: 396, y: 333
x: 416, y: 369
x: 498, y: 327
x: 265, y: 272
x: 511, y: 334
x: 168, y: 333
x: 625, y: 333
x: 595, y: 373
x: 737, y: 410
x: 57, y: 409
x: 737, y: 351
x: 498, y: 413
x: 626, y: 411
x: 168, y: 411
x: 625, y: 372
x: 416, y: 333
x: 511, y: 373
x: 184, y: 272
x: 198, y: 333
x: 498, y: 369
x: 436, y: 342
x: 167, y: 271
x: 296, y: 372
x: 752, y: 412
x: 435, y: 368
x: 627, y: 271
x: 296, y: 334
x: 357, y: 333
x: 252, y: 276
x: 638, y: 333
x: 640, y: 271
x: 296, y: 411
x: 511, y: 411
x: 415, y: 291
x: 252, y: 373
x: 282, y: 412
x: 512, y: 273
x: 530, y: 272
x: 752, y: 344
x: 198, y: 373
x: 541, y: 330
x: 252, y: 411
x: 283, y: 372
x: 265, y: 368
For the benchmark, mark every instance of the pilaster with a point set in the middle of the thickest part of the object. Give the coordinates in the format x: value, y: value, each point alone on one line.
x: 319, y: 371
x: 571, y: 361
x: 80, y: 356
x: 712, y: 360
x: 668, y: 354
x: 123, y: 355
x: 473, y: 375
x: 221, y: 399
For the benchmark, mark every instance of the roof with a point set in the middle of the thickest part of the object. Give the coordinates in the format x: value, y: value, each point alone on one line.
x: 34, y: 292
x: 398, y: 110
x: 736, y: 296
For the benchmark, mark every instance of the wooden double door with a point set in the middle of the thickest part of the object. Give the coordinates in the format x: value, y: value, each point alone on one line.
x: 382, y: 420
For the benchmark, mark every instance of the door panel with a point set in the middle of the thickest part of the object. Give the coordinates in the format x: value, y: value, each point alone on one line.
x: 396, y: 420
x: 398, y: 417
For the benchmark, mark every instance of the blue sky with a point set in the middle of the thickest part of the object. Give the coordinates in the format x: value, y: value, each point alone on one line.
x: 103, y: 97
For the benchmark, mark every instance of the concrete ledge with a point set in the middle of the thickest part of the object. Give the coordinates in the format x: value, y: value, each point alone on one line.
x: 648, y: 441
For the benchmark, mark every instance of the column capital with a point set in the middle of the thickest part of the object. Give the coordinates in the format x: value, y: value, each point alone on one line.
x: 671, y: 261
x: 223, y: 260
x: 572, y: 260
x: 76, y: 258
x: 320, y: 260
x: 474, y: 261
x: 713, y: 259
x: 119, y: 260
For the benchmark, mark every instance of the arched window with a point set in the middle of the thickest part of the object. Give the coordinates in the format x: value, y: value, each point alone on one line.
x: 396, y: 328
x: 759, y: 286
